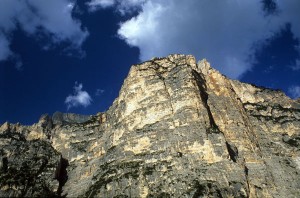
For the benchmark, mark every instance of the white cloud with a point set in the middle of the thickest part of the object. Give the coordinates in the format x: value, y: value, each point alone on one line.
x: 227, y: 33
x: 127, y: 6
x: 294, y: 91
x: 79, y: 97
x: 96, y: 4
x: 4, y: 47
x: 51, y: 18
x: 123, y: 6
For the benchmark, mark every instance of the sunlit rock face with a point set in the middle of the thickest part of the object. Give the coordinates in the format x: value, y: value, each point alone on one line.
x: 178, y: 129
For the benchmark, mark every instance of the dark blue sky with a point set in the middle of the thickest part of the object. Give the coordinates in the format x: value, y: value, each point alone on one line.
x: 43, y: 65
x: 274, y: 62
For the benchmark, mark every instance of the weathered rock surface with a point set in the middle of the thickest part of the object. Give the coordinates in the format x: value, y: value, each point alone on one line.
x: 59, y: 118
x: 178, y: 129
x: 27, y: 166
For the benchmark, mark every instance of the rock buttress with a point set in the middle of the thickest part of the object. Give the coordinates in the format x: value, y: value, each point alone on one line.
x: 181, y: 129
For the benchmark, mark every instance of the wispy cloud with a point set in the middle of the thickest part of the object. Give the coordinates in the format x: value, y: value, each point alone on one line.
x: 5, y: 51
x: 97, y: 4
x: 123, y: 6
x: 78, y: 98
x: 19, y: 65
x: 99, y: 92
x: 294, y: 91
x: 52, y: 19
x: 296, y: 66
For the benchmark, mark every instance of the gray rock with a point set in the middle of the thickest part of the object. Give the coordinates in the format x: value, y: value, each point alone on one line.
x: 27, y: 167
x: 178, y: 129
x: 69, y: 118
x: 45, y: 122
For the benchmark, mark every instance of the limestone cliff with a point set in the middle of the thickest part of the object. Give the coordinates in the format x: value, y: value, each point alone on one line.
x: 178, y: 129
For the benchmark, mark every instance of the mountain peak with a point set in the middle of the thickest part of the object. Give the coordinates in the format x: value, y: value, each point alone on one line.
x: 178, y: 129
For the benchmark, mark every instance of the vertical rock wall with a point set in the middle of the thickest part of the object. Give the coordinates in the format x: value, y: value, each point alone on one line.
x: 178, y: 129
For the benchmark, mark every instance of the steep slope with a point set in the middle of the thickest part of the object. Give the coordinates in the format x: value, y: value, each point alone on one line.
x: 177, y: 129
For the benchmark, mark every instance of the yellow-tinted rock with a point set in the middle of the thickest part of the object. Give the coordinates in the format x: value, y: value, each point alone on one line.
x: 179, y: 129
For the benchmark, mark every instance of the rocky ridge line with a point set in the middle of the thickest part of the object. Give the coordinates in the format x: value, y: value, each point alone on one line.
x: 178, y: 128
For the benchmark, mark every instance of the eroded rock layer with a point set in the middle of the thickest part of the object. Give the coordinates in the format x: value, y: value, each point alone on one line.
x: 178, y: 129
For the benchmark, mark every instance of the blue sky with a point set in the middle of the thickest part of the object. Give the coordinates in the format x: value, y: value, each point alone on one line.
x: 73, y: 56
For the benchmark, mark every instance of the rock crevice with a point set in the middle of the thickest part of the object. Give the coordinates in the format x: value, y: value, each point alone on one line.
x: 178, y: 129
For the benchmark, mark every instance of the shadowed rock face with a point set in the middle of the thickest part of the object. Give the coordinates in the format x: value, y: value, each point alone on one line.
x: 59, y: 118
x: 26, y: 166
x: 178, y: 129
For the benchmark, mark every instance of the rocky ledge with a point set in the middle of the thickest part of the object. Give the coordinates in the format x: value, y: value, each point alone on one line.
x: 178, y: 129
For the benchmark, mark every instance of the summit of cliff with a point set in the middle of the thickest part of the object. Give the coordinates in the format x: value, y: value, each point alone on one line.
x: 178, y: 129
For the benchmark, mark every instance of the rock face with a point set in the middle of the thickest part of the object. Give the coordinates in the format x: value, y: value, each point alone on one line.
x: 26, y: 166
x: 178, y: 129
